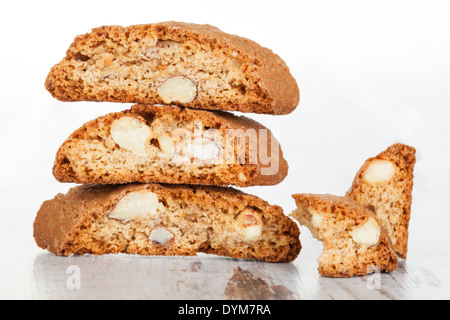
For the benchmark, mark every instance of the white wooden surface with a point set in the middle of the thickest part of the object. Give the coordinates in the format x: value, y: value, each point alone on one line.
x: 371, y: 73
x: 217, y: 278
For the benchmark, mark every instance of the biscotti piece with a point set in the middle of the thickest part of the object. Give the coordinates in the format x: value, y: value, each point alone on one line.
x: 384, y: 185
x: 167, y: 220
x: 355, y: 244
x: 166, y: 144
x: 189, y: 65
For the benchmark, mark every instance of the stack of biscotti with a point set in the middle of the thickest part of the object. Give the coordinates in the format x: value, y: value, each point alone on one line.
x: 156, y: 179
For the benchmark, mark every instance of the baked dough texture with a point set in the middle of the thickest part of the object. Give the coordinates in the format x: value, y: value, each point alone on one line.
x: 173, y: 145
x: 335, y: 221
x: 389, y: 198
x: 130, y: 64
x: 180, y: 220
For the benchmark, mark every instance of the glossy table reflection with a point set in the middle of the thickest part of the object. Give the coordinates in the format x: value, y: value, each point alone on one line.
x: 132, y: 277
x: 211, y: 277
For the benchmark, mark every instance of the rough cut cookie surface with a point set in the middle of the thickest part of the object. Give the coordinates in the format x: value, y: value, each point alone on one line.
x: 384, y: 185
x: 165, y: 144
x: 355, y: 244
x: 189, y: 65
x: 163, y: 220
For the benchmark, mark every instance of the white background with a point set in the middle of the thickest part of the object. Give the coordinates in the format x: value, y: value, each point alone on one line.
x: 371, y: 73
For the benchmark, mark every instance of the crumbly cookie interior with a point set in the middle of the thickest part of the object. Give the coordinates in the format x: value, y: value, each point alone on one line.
x: 116, y: 66
x: 339, y: 249
x: 390, y: 199
x: 342, y: 256
x: 385, y: 200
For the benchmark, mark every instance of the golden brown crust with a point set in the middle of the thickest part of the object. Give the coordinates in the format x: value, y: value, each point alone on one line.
x: 343, y: 214
x: 61, y: 222
x: 390, y: 201
x: 63, y: 169
x: 277, y: 91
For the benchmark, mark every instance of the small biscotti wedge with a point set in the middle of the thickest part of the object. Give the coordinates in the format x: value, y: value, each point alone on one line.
x: 355, y: 244
x: 167, y: 220
x: 384, y: 185
x: 189, y: 65
x: 166, y: 144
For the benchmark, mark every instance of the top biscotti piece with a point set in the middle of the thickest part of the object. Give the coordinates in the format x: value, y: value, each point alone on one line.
x: 189, y: 65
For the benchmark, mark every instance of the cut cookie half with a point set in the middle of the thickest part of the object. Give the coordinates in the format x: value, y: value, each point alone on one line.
x: 355, y: 244
x: 189, y: 65
x: 165, y: 144
x: 165, y: 220
x: 384, y: 185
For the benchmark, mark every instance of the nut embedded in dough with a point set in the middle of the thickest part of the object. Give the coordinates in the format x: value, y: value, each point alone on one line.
x: 136, y: 205
x: 131, y: 134
x: 166, y: 145
x: 249, y: 224
x: 380, y: 171
x: 204, y: 149
x: 161, y: 47
x: 179, y: 89
x: 368, y: 234
x: 161, y: 236
x: 316, y: 220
